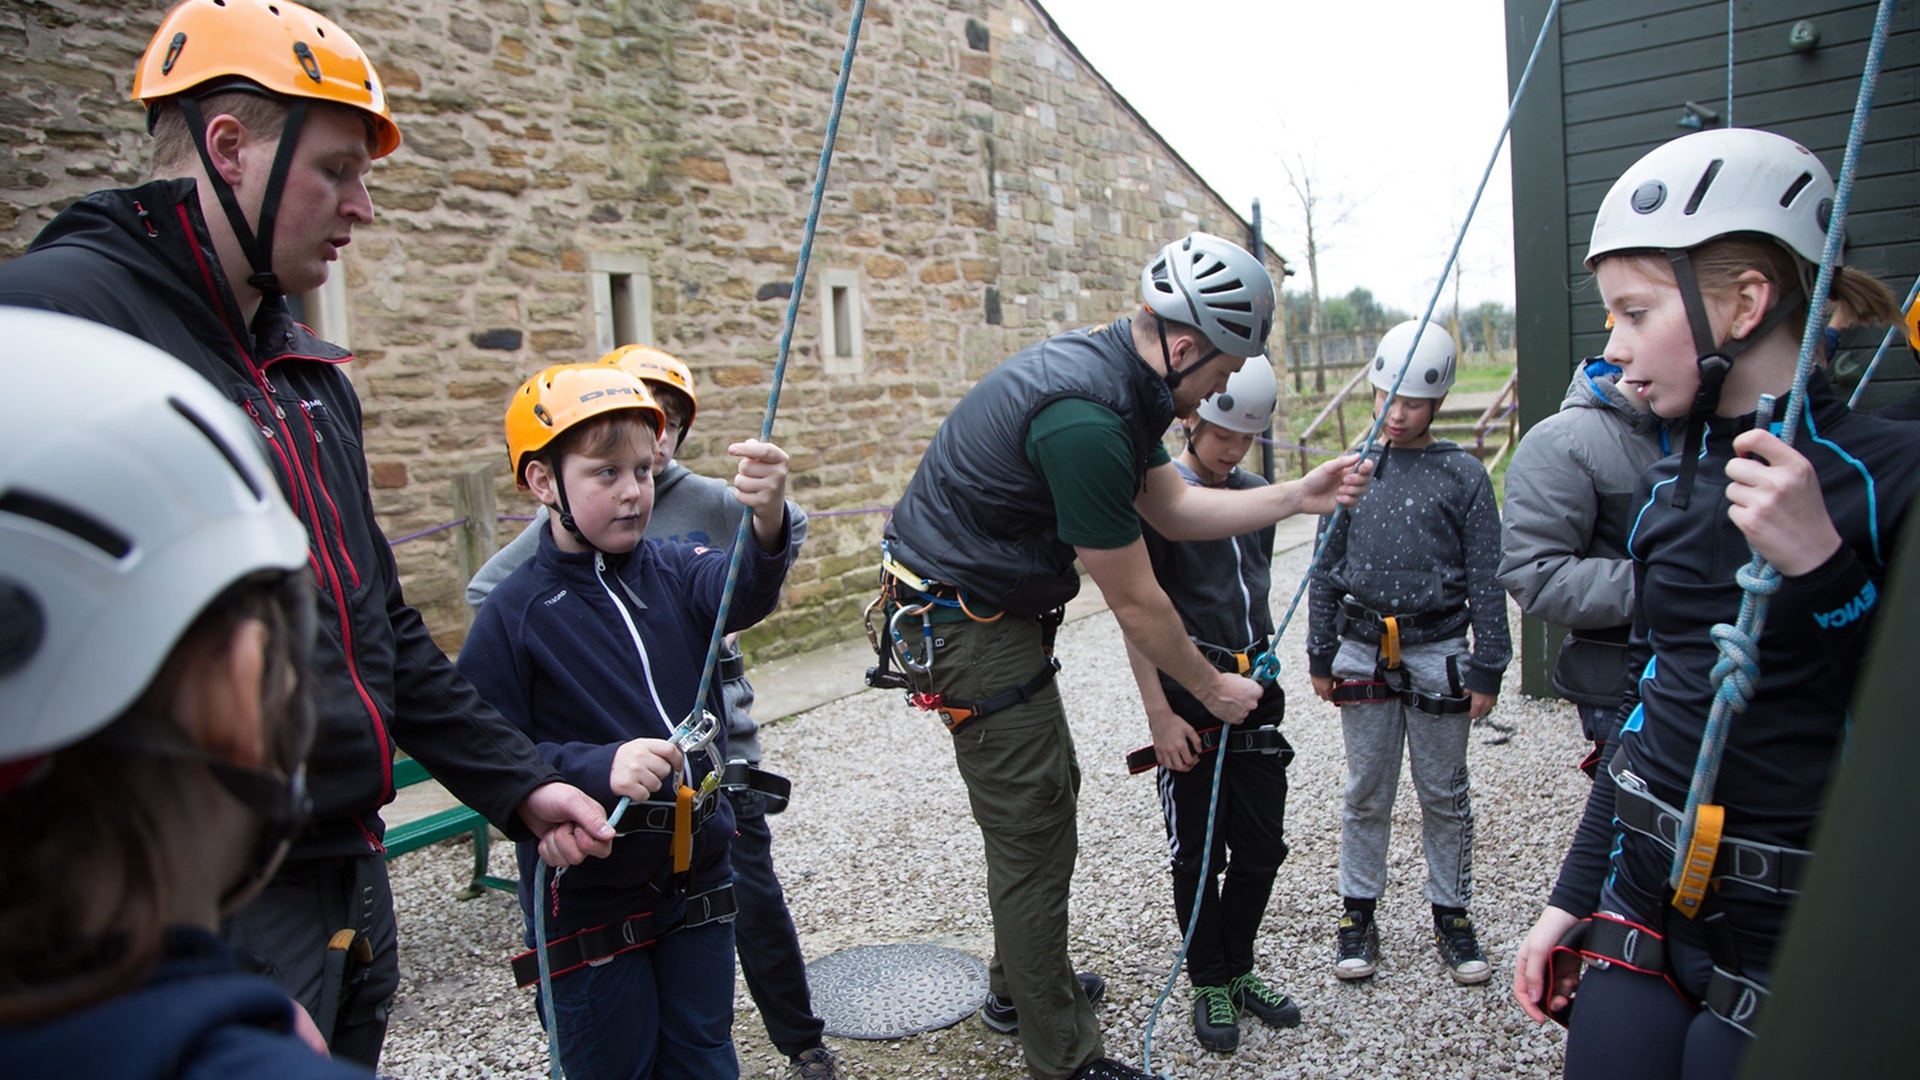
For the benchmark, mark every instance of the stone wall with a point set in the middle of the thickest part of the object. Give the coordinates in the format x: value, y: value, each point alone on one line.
x: 988, y: 189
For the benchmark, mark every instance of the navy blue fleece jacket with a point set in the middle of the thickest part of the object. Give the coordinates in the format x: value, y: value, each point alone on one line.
x: 552, y: 650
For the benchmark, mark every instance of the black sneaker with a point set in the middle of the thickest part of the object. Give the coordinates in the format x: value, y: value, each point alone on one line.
x: 1453, y: 935
x: 1216, y: 1023
x: 1250, y: 995
x: 815, y: 1064
x: 1359, y: 946
x: 1109, y: 1069
x: 1001, y: 1016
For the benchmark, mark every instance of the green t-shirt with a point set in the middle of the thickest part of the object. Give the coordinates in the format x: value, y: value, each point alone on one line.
x: 1085, y: 454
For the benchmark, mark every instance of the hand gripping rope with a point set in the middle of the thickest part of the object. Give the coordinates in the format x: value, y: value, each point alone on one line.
x: 701, y: 729
x: 1737, y: 672
x: 1267, y: 666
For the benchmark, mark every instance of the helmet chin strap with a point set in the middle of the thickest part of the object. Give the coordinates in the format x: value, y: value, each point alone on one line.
x: 566, y: 512
x: 257, y: 247
x: 1173, y: 377
x: 1715, y: 362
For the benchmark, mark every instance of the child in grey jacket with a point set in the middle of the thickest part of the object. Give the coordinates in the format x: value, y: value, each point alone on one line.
x: 1403, y: 576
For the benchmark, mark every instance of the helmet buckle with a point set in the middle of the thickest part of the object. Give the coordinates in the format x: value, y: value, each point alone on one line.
x: 308, y: 62
x: 173, y: 52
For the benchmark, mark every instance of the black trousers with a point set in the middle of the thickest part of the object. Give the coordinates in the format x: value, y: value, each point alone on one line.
x: 1248, y: 842
x: 284, y: 932
x: 764, y: 937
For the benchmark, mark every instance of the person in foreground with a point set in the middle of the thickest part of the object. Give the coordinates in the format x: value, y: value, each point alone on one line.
x: 155, y: 621
x: 1053, y: 459
x: 266, y: 118
x: 1705, y: 252
x: 594, y: 648
x: 1220, y: 589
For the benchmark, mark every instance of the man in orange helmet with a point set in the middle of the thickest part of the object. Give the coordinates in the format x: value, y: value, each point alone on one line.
x: 266, y: 118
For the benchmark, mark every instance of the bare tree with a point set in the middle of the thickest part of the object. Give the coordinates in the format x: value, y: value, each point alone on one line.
x: 1319, y: 215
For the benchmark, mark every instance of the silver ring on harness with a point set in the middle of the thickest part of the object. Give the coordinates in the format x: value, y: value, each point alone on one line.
x: 602, y: 943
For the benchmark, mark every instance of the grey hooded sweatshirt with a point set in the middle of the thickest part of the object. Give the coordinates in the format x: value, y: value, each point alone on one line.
x: 1569, y: 510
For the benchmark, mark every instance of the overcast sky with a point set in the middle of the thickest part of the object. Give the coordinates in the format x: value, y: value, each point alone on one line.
x: 1394, y: 105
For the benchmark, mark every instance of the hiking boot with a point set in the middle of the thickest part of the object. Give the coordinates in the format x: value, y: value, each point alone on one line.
x: 815, y: 1064
x: 1109, y: 1069
x: 1250, y: 995
x: 1000, y: 1015
x: 1359, y: 946
x: 1216, y: 1023
x: 1458, y: 946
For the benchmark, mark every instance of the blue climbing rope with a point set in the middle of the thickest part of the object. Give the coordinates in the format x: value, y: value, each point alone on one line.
x: 1267, y: 665
x: 1880, y: 353
x: 699, y: 729
x: 1736, y: 673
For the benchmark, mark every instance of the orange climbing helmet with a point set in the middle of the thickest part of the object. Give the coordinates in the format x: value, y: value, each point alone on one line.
x: 277, y: 45
x: 565, y: 395
x: 651, y: 365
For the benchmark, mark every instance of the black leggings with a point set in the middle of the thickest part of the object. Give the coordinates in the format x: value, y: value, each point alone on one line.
x: 1628, y: 1024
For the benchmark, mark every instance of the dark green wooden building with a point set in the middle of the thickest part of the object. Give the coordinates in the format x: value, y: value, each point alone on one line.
x: 1616, y: 78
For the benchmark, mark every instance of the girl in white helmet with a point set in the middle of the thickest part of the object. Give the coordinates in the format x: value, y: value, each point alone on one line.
x: 1705, y: 252
x: 1220, y: 588
x: 1405, y: 576
x: 154, y: 625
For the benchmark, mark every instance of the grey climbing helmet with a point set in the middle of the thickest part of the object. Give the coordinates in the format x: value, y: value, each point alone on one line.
x: 130, y: 499
x: 1216, y: 286
x: 1247, y: 404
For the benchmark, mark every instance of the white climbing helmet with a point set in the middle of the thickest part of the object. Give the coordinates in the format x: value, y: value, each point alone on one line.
x: 1216, y: 286
x: 1715, y: 183
x: 129, y: 500
x: 1429, y: 374
x: 1246, y: 405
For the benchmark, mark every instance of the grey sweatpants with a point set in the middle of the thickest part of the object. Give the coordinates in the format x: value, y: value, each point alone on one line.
x: 1436, y: 748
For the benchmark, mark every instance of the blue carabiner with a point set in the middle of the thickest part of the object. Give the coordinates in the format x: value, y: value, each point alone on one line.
x: 1266, y: 667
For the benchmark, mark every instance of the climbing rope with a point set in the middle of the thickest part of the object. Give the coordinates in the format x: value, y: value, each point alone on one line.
x: 700, y: 729
x: 1737, y: 672
x: 1880, y: 353
x: 1267, y: 665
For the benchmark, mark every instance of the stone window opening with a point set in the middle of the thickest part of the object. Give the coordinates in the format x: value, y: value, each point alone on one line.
x: 841, y: 347
x: 622, y: 301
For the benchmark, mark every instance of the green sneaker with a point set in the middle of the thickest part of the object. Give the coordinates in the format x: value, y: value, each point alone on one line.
x: 1251, y: 995
x: 1216, y: 1023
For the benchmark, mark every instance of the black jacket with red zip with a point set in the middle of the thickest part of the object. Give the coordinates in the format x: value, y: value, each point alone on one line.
x: 142, y: 261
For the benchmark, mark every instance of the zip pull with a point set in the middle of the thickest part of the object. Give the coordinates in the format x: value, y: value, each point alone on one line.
x: 307, y: 407
x: 145, y: 219
x: 259, y: 423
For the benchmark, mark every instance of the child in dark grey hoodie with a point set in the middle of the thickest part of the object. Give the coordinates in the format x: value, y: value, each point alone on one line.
x: 1404, y: 575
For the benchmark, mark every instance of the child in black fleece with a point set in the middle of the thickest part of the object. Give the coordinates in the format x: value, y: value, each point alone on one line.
x: 1406, y: 572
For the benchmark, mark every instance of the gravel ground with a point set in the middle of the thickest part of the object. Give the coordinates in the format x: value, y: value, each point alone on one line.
x: 878, y: 847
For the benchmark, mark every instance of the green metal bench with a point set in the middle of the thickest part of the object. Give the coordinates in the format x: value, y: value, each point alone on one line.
x: 443, y: 825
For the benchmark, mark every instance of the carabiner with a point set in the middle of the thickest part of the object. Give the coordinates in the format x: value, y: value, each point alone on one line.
x: 1266, y: 667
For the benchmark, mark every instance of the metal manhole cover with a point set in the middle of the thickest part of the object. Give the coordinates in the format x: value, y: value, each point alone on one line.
x: 887, y: 991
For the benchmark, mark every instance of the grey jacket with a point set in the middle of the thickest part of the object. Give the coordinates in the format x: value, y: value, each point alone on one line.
x: 1569, y: 507
x: 687, y: 509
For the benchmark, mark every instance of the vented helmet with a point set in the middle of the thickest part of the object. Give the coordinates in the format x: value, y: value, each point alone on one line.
x: 128, y: 503
x: 561, y: 396
x: 279, y: 46
x: 1431, y: 371
x: 1247, y: 404
x: 1216, y: 286
x: 650, y: 365
x: 1717, y: 183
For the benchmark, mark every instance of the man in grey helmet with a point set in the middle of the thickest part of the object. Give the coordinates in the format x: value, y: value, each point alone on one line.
x: 1053, y: 458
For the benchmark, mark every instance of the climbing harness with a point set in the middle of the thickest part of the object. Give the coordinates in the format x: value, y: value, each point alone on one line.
x: 1266, y: 739
x: 1768, y: 867
x: 1267, y: 664
x: 699, y: 730
x: 1737, y: 672
x: 910, y: 595
x: 599, y: 944
x: 1609, y: 938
